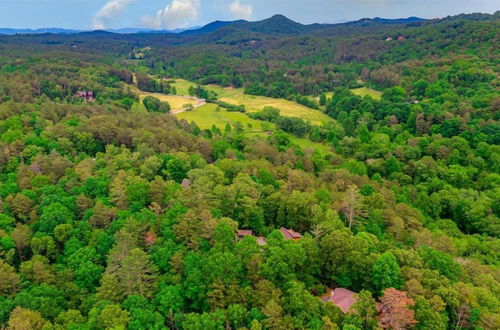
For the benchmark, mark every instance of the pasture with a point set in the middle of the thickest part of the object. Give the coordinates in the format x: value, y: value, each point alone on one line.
x: 287, y: 108
x: 206, y: 116
x: 362, y: 91
x: 176, y: 102
x: 182, y: 86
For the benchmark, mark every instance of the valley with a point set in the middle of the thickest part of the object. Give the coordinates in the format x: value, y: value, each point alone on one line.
x: 250, y: 175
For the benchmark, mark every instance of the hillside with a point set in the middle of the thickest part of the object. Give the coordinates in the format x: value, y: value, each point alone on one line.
x: 253, y: 175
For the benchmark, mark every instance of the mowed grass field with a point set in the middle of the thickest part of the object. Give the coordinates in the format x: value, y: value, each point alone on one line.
x: 257, y: 103
x: 362, y: 91
x: 206, y: 116
x: 182, y: 86
x: 287, y: 108
x: 176, y: 102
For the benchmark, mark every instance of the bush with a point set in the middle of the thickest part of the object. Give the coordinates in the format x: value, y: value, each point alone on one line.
x: 153, y: 104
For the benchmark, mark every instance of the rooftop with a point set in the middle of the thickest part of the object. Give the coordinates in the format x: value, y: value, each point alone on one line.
x: 341, y: 297
x: 290, y: 234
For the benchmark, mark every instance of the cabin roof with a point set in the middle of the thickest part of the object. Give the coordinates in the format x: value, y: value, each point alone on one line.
x: 261, y: 241
x: 244, y: 232
x: 289, y: 233
x: 341, y: 297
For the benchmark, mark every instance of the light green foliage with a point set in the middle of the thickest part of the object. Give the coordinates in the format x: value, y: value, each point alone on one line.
x: 116, y: 217
x: 386, y: 273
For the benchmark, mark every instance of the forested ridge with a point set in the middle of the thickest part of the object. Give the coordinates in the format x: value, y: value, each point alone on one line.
x: 115, y: 214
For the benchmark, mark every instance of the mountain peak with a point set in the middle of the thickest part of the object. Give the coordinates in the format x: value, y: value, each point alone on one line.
x: 279, y: 16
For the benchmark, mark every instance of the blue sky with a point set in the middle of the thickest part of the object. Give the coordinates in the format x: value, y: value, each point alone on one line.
x: 85, y: 14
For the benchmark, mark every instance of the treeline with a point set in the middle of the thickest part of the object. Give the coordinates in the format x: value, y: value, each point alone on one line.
x: 154, y: 104
x: 150, y: 84
x: 293, y: 125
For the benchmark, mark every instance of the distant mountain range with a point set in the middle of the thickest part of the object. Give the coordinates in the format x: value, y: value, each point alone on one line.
x: 9, y: 31
x: 37, y: 31
x: 278, y: 24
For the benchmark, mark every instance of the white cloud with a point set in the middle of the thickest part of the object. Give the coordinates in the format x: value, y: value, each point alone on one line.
x: 240, y: 11
x: 177, y: 14
x: 108, y: 11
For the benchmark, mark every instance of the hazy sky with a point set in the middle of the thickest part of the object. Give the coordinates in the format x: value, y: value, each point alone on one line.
x: 85, y: 14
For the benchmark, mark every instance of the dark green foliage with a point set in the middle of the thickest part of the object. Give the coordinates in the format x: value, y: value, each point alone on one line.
x: 114, y: 218
x: 153, y: 104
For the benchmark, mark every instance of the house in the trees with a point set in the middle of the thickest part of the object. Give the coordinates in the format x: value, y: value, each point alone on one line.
x: 341, y: 297
x: 401, y: 38
x: 261, y: 241
x: 240, y: 234
x: 389, y: 39
x: 290, y: 234
x: 86, y: 95
x: 186, y: 183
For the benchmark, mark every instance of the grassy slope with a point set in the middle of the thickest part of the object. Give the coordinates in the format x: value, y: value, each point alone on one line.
x: 206, y: 116
x: 257, y: 103
x: 287, y: 108
x: 362, y: 91
x: 176, y: 102
x: 182, y: 86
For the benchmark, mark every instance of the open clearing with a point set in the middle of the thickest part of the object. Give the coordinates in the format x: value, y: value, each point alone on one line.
x: 206, y: 116
x: 287, y: 108
x: 176, y: 102
x: 362, y: 91
x: 254, y: 103
x: 257, y: 103
x: 182, y: 86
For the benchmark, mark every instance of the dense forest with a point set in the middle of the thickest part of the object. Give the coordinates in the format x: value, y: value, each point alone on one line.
x: 117, y: 218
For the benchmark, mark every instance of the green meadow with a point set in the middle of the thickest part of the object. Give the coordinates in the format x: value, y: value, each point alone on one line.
x: 362, y: 91
x: 207, y: 115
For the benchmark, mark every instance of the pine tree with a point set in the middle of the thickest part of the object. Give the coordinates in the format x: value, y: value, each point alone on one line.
x: 137, y: 274
x: 110, y: 289
x: 352, y: 206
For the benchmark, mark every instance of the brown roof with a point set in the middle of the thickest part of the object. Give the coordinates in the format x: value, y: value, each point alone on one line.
x: 244, y: 232
x: 186, y: 183
x: 261, y: 241
x: 341, y: 297
x: 290, y: 234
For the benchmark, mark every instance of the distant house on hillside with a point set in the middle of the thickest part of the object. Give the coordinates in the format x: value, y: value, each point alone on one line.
x: 389, y: 39
x: 400, y: 38
x: 186, y: 183
x: 240, y: 234
x: 290, y: 234
x: 261, y: 241
x: 86, y: 95
x: 342, y: 298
